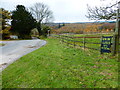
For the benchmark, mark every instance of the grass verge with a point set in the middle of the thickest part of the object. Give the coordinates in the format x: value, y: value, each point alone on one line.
x: 2, y: 44
x: 57, y: 66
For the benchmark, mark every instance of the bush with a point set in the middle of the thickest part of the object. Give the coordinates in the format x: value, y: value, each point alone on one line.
x: 42, y: 37
x: 45, y: 30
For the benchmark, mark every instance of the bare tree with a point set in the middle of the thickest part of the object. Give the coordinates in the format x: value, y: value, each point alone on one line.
x: 42, y: 14
x: 102, y: 12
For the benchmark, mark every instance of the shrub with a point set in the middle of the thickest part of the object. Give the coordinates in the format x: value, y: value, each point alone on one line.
x: 42, y: 37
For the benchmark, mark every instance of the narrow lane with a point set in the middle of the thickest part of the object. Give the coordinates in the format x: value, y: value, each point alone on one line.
x: 13, y: 50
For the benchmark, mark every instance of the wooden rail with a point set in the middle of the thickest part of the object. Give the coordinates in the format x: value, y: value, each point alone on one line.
x: 70, y: 41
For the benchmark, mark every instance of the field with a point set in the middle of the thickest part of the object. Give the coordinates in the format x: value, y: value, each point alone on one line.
x: 58, y: 66
x: 84, y: 28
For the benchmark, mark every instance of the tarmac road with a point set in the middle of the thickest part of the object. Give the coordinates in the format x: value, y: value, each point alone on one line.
x: 13, y: 50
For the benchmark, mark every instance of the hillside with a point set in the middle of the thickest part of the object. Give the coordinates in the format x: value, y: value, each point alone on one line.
x: 80, y: 28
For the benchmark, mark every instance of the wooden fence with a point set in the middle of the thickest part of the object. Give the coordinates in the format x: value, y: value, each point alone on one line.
x: 75, y: 42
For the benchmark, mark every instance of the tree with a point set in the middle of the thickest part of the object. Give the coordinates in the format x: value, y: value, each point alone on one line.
x: 102, y: 12
x: 42, y: 13
x: 108, y: 12
x: 22, y: 22
x: 5, y: 16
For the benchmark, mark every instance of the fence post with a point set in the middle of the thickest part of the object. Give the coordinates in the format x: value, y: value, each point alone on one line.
x: 74, y: 44
x: 84, y: 42
x: 59, y: 38
x: 101, y: 45
x: 67, y: 41
x: 117, y: 33
x: 73, y: 41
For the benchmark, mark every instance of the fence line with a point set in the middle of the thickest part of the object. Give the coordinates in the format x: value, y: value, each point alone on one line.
x: 70, y: 41
x: 77, y: 37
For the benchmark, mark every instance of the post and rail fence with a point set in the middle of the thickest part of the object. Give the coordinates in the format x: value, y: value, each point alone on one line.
x: 103, y: 44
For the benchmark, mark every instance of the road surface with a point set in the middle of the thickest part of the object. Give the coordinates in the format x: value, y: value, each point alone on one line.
x: 13, y: 50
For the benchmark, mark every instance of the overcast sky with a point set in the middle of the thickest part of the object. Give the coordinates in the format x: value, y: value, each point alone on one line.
x: 63, y: 10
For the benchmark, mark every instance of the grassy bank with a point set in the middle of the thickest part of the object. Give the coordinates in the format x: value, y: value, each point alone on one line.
x: 57, y: 66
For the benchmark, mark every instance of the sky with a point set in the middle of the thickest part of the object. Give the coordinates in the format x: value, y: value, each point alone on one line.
x: 63, y: 10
